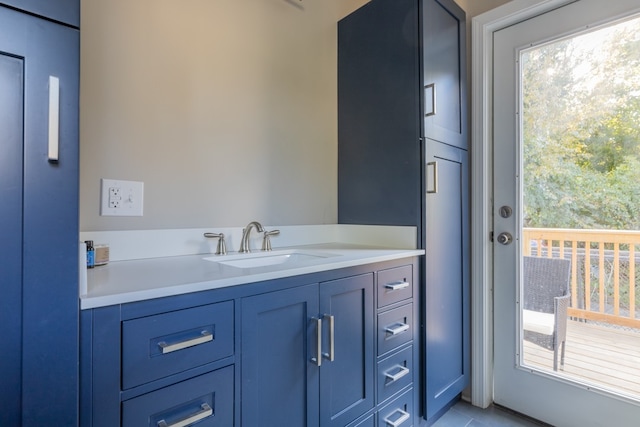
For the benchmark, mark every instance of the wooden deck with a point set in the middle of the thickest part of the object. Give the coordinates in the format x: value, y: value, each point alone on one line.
x: 595, y: 354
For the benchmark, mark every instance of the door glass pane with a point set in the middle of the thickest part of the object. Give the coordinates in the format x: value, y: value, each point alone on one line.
x: 580, y: 133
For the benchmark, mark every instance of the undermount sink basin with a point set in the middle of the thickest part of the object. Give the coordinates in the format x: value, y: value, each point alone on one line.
x: 263, y: 259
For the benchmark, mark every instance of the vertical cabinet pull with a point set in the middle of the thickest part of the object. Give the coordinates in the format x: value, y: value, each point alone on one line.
x: 318, y: 359
x: 404, y: 416
x: 204, y: 412
x: 205, y: 336
x: 332, y: 338
x: 54, y: 119
x: 432, y: 170
x: 432, y: 110
x: 396, y: 286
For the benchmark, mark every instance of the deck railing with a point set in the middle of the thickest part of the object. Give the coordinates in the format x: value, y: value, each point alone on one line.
x: 605, y: 285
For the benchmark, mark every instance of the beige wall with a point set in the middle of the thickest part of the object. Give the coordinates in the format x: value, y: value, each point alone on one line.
x: 225, y: 109
x: 476, y: 7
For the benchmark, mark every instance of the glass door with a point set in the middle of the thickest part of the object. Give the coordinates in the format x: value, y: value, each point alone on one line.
x: 567, y: 215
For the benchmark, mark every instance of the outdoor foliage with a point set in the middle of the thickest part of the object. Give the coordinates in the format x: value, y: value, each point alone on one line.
x: 581, y: 130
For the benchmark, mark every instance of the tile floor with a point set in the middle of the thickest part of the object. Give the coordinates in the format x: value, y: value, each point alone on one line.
x: 463, y: 414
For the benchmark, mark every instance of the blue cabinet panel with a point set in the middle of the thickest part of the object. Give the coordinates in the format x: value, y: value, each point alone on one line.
x: 347, y: 381
x: 444, y: 48
x: 399, y: 413
x: 11, y: 146
x: 395, y: 373
x: 46, y: 293
x: 395, y: 327
x: 394, y: 285
x: 206, y: 400
x: 447, y: 274
x: 379, y: 152
x: 161, y: 345
x: 65, y: 11
x: 280, y: 382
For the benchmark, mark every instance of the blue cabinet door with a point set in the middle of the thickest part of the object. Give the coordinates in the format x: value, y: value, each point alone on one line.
x: 279, y: 379
x: 39, y: 220
x: 447, y: 277
x: 347, y: 373
x: 444, y: 72
x: 66, y: 11
x: 379, y: 153
x: 11, y: 145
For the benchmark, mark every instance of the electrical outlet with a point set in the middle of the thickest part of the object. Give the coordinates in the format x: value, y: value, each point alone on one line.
x: 121, y: 198
x: 115, y: 199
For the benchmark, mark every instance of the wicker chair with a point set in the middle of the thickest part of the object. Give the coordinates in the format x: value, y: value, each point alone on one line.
x: 546, y: 299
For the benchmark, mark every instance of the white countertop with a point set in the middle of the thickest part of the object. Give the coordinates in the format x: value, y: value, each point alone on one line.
x: 136, y: 280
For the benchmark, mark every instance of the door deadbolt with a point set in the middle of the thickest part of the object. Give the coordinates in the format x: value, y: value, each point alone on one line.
x: 505, y: 211
x: 505, y: 238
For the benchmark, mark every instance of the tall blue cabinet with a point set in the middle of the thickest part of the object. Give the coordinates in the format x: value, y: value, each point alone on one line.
x: 39, y: 76
x: 402, y: 160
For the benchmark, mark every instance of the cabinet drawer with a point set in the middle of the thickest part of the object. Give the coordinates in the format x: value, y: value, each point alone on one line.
x: 399, y: 413
x: 395, y: 327
x: 395, y: 373
x: 369, y: 421
x: 395, y: 284
x: 157, y: 346
x: 206, y: 399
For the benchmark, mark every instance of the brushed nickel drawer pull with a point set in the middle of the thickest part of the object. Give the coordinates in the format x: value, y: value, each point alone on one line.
x: 205, y: 336
x: 402, y: 372
x: 318, y: 359
x: 397, y: 329
x: 331, y: 356
x: 430, y: 87
x: 397, y: 286
x: 432, y: 171
x: 204, y: 412
x: 54, y: 119
x: 404, y: 416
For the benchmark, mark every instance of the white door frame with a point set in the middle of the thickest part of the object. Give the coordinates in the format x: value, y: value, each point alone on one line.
x: 482, y: 29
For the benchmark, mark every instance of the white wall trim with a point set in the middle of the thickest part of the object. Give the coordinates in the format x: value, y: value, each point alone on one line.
x: 482, y: 29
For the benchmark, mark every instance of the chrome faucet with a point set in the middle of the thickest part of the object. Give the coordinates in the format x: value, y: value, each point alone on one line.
x: 244, y: 243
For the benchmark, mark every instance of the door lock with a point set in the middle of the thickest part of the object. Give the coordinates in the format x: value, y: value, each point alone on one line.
x: 505, y: 238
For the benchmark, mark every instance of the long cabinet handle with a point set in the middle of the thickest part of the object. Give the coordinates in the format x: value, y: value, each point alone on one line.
x: 332, y: 338
x: 396, y: 286
x: 432, y: 88
x: 205, y: 336
x: 204, y: 412
x: 397, y: 328
x: 433, y: 168
x: 54, y: 119
x: 402, y: 372
x: 404, y: 416
x: 318, y: 359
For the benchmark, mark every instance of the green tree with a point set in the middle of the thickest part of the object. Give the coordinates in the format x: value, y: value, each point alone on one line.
x: 581, y: 131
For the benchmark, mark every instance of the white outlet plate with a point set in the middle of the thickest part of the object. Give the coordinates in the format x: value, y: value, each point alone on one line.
x: 121, y: 198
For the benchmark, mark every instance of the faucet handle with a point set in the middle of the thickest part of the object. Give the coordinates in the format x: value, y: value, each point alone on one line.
x: 221, y: 249
x: 266, y: 241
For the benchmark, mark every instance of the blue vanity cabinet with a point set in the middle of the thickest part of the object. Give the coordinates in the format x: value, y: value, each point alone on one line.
x: 402, y: 160
x: 299, y: 351
x: 64, y: 11
x: 307, y: 354
x: 39, y: 63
